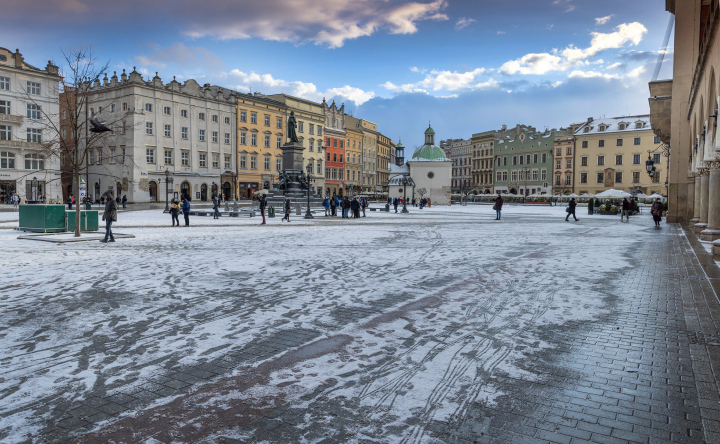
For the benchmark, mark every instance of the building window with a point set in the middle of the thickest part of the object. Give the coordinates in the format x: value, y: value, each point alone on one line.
x: 656, y: 140
x: 543, y: 175
x: 215, y: 118
x: 504, y: 176
x: 601, y: 160
x: 266, y: 163
x: 619, y: 142
x: 636, y: 159
x: 227, y: 138
x: 34, y: 135
x: 514, y: 175
x: 243, y: 116
x: 185, y: 158
x: 33, y: 111
x: 601, y: 143
x: 148, y: 107
x: 201, y: 133
x: 203, y: 160
x: 267, y: 120
x: 148, y: 128
x: 253, y: 139
x: 558, y: 152
x: 583, y: 177
x: 184, y: 132
x: 639, y: 125
x: 636, y: 177
x: 243, y: 138
x: 183, y: 113
x: 618, y: 160
x: 215, y: 136
x: 33, y: 88
x: 6, y: 132
x: 5, y: 107
x: 243, y: 161
x: 568, y: 163
x: 312, y: 144
x: 228, y: 159
x: 319, y: 131
x: 558, y: 164
x: 569, y: 151
x: 7, y: 160
x: 34, y: 162
x: 636, y: 141
x: 600, y: 177
x: 514, y: 160
x: 168, y: 157
x: 150, y: 155
x: 112, y: 109
x: 278, y: 164
x: 112, y: 155
x: 216, y: 160
x: 567, y: 180
x: 584, y: 143
x: 300, y: 127
x: 167, y: 130
x: 253, y: 162
x: 557, y: 180
x: 311, y: 129
x: 253, y: 118
x: 278, y: 141
x: 656, y: 177
x: 5, y: 83
x: 656, y: 158
x: 543, y: 157
x: 166, y: 110
x: 201, y: 116
x: 618, y: 177
x: 227, y: 120
x: 278, y: 122
x: 267, y: 141
x: 535, y: 158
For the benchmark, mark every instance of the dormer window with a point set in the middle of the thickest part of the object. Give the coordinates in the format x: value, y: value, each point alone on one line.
x: 622, y: 126
x: 638, y: 125
x: 602, y: 128
x: 587, y: 129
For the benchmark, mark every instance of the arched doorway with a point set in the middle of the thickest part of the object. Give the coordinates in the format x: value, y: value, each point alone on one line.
x: 340, y: 192
x: 513, y: 191
x: 327, y: 192
x: 203, y: 192
x: 214, y: 190
x: 226, y: 190
x: 185, y: 191
x: 153, y: 191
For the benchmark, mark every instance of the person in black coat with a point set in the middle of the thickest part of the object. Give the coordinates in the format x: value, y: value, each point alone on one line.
x: 287, y: 210
x: 355, y: 207
x: 263, y: 204
x: 109, y: 215
x: 571, y: 209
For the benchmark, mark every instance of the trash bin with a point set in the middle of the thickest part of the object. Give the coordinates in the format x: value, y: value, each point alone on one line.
x: 89, y: 220
x: 88, y: 206
x: 42, y: 218
x: 387, y: 208
x: 271, y: 211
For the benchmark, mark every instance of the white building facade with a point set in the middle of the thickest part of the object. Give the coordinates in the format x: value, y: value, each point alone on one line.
x: 29, y: 116
x: 184, y: 132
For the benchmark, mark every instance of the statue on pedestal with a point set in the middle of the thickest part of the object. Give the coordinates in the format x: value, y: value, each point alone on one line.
x: 291, y: 125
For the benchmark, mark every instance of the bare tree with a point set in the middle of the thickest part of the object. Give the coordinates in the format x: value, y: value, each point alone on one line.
x: 422, y: 192
x: 74, y: 131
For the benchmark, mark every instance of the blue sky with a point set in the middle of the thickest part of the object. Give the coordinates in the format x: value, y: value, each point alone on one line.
x: 465, y: 65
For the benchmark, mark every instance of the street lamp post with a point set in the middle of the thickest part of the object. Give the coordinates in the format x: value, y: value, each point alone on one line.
x: 405, y: 183
x: 310, y: 178
x: 168, y: 181
x: 34, y: 189
x: 525, y: 171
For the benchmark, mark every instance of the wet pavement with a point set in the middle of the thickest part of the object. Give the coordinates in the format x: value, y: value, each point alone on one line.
x: 445, y: 328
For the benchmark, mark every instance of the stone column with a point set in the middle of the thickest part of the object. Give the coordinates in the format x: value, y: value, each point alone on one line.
x: 712, y: 232
x: 704, y: 191
x: 690, y: 207
x: 696, y: 201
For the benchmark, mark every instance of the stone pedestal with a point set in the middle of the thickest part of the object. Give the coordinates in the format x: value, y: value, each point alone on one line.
x: 293, y: 175
x: 704, y: 194
x: 712, y: 231
x: 696, y: 203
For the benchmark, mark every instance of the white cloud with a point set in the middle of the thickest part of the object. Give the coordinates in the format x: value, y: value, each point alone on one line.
x: 637, y: 72
x: 550, y: 26
x: 440, y: 80
x: 178, y: 55
x: 464, y: 22
x: 591, y: 75
x: 501, y: 32
x: 571, y: 56
x: 556, y: 84
x: 416, y: 69
x: 324, y: 22
x: 569, y: 7
x: 602, y: 20
x: 614, y: 65
x: 267, y: 84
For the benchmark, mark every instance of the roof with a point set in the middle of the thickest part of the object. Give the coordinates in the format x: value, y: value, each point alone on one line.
x: 429, y: 152
x: 397, y: 181
x: 429, y: 130
x: 614, y: 125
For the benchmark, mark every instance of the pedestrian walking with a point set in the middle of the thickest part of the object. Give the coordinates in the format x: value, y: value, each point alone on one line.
x: 333, y: 206
x: 186, y: 211
x: 656, y: 210
x: 571, y: 209
x: 174, y: 211
x: 15, y: 200
x: 498, y: 206
x: 109, y: 216
x: 326, y: 204
x: 625, y: 209
x: 263, y: 204
x: 287, y: 210
x: 216, y: 208
x: 395, y: 204
x: 124, y: 201
x: 363, y: 204
x: 70, y: 201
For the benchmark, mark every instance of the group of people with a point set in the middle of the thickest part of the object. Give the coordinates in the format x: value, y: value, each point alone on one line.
x: 103, y: 199
x: 346, y: 205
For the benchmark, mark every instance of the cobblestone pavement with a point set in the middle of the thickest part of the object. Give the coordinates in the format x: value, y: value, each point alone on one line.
x: 447, y: 327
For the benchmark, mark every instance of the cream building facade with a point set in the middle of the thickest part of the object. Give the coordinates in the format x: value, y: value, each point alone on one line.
x: 611, y: 153
x: 29, y: 108
x: 353, y: 159
x: 431, y: 171
x: 483, y: 149
x: 461, y: 154
x: 310, y: 119
x: 185, y: 129
x: 385, y: 147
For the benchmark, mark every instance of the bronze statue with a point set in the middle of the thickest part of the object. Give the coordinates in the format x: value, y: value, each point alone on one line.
x: 291, y: 125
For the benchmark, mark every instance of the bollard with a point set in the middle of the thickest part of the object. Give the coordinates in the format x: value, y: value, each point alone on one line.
x: 298, y: 210
x: 271, y: 212
x: 387, y: 208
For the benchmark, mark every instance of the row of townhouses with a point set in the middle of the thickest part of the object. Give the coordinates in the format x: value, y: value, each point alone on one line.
x: 174, y: 138
x: 587, y: 157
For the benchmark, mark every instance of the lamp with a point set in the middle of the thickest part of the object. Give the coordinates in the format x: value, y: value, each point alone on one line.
x: 308, y: 168
x: 649, y: 165
x: 167, y: 190
x: 405, y: 183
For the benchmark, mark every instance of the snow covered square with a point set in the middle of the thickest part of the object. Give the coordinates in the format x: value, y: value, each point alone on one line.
x: 443, y: 325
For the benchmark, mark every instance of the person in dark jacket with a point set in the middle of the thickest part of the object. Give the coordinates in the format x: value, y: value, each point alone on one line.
x: 109, y: 215
x: 395, y: 204
x: 625, y: 209
x: 326, y: 205
x: 287, y: 210
x: 216, y: 208
x: 346, y: 204
x: 70, y: 202
x: 263, y: 204
x: 124, y: 201
x: 355, y: 207
x: 656, y: 210
x: 174, y: 211
x: 498, y: 206
x: 571, y: 209
x: 186, y: 211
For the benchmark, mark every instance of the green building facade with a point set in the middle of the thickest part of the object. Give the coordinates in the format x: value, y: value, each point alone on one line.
x: 524, y: 163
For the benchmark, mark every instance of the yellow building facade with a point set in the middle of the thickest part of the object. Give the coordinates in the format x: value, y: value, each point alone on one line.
x: 611, y: 153
x: 382, y: 174
x: 353, y: 159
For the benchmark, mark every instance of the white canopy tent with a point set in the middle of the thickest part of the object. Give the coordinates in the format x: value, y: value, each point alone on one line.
x: 656, y: 196
x: 612, y: 194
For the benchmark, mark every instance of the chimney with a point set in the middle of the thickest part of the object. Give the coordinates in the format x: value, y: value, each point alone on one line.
x: 503, y: 128
x: 18, y: 59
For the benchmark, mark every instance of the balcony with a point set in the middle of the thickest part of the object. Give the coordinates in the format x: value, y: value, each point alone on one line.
x: 11, y: 118
x: 20, y: 144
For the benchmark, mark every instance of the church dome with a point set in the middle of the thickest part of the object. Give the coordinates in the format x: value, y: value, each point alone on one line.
x: 429, y: 151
